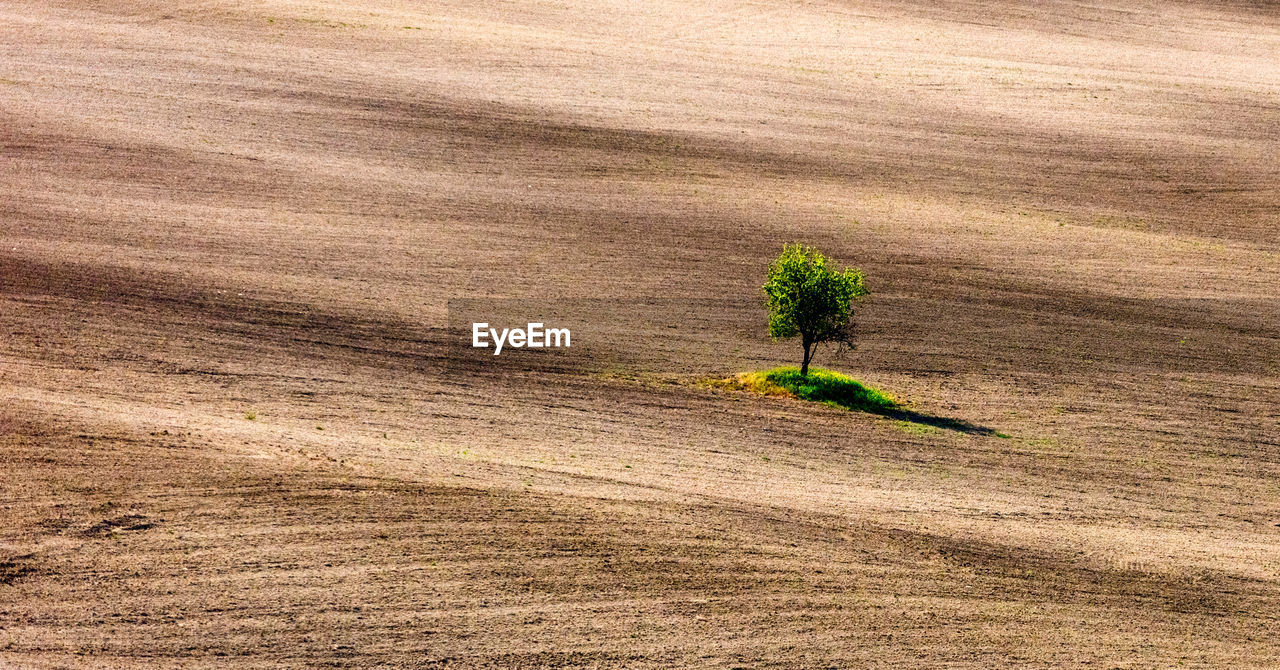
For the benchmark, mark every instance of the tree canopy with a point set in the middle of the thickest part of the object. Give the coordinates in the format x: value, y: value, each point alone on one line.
x: 808, y: 299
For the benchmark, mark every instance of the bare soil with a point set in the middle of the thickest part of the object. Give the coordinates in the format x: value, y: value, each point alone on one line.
x: 234, y: 430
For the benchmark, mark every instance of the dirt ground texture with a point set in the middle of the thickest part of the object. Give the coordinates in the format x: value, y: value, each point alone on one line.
x: 232, y: 433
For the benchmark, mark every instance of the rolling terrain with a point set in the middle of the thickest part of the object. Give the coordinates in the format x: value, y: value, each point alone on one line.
x: 235, y: 238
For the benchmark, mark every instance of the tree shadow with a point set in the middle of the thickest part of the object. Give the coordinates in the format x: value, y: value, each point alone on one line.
x: 837, y: 390
x: 943, y: 422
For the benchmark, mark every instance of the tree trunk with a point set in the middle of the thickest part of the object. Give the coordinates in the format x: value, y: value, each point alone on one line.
x: 808, y: 353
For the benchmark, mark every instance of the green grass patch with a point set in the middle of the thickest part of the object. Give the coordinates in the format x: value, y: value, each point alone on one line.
x: 820, y: 385
x: 832, y: 388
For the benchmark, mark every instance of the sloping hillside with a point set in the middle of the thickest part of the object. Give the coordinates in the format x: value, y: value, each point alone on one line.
x: 235, y: 430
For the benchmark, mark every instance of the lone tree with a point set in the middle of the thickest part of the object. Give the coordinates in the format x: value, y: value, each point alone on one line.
x: 810, y: 300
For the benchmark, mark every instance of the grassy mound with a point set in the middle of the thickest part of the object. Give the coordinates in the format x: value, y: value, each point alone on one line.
x: 820, y: 385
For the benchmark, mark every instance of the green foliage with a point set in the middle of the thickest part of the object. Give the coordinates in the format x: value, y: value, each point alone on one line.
x: 819, y: 385
x: 809, y: 300
x: 837, y: 390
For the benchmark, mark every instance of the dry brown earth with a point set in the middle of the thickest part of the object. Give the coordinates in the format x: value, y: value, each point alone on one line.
x: 232, y: 434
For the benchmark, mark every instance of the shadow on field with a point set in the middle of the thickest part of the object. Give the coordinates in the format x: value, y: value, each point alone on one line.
x: 839, y: 390
x: 945, y: 423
